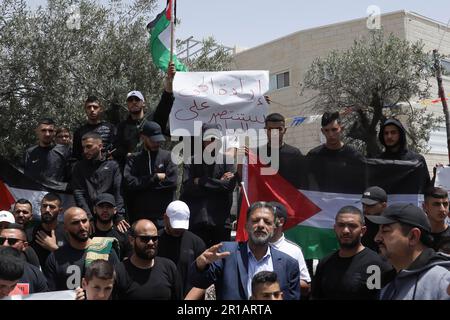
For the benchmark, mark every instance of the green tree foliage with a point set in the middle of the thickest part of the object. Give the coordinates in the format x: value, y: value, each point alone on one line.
x: 52, y: 58
x: 378, y: 77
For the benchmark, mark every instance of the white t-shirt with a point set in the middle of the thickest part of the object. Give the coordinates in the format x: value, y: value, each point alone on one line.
x: 295, y: 252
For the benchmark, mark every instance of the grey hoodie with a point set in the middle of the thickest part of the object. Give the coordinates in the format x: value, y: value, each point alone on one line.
x: 427, y: 278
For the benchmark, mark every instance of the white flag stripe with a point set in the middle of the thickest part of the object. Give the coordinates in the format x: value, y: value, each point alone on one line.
x: 330, y: 203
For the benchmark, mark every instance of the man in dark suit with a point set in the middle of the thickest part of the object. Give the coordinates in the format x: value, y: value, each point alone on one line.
x: 150, y: 178
x: 232, y: 265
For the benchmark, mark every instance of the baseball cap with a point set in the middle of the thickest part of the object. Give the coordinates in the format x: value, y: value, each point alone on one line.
x: 6, y: 216
x: 373, y: 195
x: 152, y: 130
x: 135, y: 94
x: 105, y: 198
x: 406, y: 213
x: 178, y: 213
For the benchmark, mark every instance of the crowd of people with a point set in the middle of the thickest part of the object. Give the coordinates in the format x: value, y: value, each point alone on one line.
x: 128, y: 237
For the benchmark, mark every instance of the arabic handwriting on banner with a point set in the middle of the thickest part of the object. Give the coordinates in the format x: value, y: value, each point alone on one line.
x: 232, y: 99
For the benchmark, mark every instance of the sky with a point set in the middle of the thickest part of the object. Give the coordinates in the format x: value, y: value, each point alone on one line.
x: 248, y: 23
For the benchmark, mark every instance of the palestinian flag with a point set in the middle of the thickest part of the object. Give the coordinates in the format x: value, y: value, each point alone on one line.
x: 159, y: 44
x: 311, y: 212
x: 15, y: 185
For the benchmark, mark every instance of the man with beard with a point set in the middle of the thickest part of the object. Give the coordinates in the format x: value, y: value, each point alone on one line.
x: 65, y: 267
x: 104, y: 212
x: 436, y: 207
x: 128, y: 130
x: 150, y: 178
x: 107, y: 131
x: 48, y: 235
x: 179, y: 244
x: 95, y: 175
x: 392, y: 136
x: 231, y: 265
x: 343, y: 274
x: 404, y: 239
x: 153, y: 278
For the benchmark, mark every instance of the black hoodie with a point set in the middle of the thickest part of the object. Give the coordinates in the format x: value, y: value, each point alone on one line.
x: 403, y: 153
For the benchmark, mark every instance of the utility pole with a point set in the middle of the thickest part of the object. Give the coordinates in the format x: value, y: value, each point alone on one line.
x: 437, y: 66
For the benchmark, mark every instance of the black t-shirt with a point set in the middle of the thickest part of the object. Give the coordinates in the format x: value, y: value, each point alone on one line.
x: 65, y: 267
x: 328, y: 169
x: 437, y: 237
x: 161, y: 282
x: 125, y: 248
x: 340, y: 278
x: 182, y: 251
x: 41, y: 252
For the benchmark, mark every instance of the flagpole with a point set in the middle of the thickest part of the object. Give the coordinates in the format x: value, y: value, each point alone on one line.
x: 245, y: 193
x: 171, y: 29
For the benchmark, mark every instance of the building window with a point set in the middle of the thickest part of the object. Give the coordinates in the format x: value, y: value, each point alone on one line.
x: 279, y: 80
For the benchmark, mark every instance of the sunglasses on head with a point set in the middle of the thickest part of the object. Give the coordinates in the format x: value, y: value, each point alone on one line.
x: 146, y: 239
x: 11, y: 241
x: 133, y: 99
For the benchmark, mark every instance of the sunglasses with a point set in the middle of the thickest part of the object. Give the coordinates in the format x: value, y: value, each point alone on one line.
x: 11, y: 241
x: 146, y: 239
x: 133, y: 99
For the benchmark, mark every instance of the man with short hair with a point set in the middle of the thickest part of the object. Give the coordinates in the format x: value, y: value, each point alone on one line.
x: 18, y: 277
x: 104, y: 213
x: 265, y: 286
x: 47, y: 161
x: 343, y: 275
x: 153, y: 278
x: 98, y: 280
x: 327, y: 160
x: 128, y: 131
x: 48, y: 235
x: 374, y: 201
x: 279, y: 242
x: 23, y: 214
x: 436, y: 207
x: 95, y: 175
x: 403, y: 238
x: 14, y: 236
x: 231, y: 265
x: 107, y: 131
x: 392, y: 136
x: 150, y: 178
x: 65, y: 267
x: 291, y: 160
x: 179, y: 244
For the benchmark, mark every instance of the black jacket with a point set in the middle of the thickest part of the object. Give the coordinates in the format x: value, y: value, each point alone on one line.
x: 403, y: 153
x: 210, y: 201
x: 93, y: 177
x: 127, y: 138
x: 147, y: 196
x: 105, y: 129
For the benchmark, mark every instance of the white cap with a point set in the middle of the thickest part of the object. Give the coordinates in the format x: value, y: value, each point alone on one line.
x: 6, y: 216
x: 135, y: 94
x: 178, y: 213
